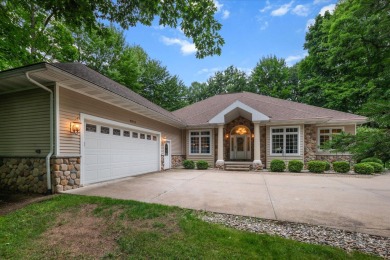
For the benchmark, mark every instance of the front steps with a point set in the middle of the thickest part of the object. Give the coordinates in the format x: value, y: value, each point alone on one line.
x: 237, y: 166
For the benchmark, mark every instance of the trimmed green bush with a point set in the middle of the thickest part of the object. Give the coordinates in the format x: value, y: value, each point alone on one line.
x: 277, y: 166
x: 364, y: 168
x: 188, y: 164
x: 327, y: 166
x: 378, y: 168
x: 316, y: 166
x: 202, y: 165
x: 372, y: 159
x: 341, y: 166
x: 295, y: 166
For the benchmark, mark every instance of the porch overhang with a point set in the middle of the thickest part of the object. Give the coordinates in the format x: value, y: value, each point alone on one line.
x: 238, y: 109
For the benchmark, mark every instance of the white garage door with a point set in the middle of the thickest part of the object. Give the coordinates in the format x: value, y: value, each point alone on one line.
x: 113, y: 152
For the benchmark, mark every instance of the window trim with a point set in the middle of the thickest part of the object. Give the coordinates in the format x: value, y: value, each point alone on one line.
x: 330, y: 128
x: 200, y: 136
x: 283, y: 154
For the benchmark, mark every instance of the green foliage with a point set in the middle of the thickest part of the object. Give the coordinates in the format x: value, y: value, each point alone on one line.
x: 378, y: 167
x: 327, y: 165
x: 364, y: 168
x: 277, y: 165
x: 202, y: 165
x: 341, y: 166
x: 188, y: 164
x: 295, y: 166
x: 270, y: 77
x: 316, y: 166
x: 372, y: 159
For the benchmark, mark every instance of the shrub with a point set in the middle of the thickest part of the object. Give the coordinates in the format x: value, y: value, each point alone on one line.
x: 327, y: 166
x: 188, y: 164
x: 202, y: 165
x: 295, y: 166
x: 372, y: 159
x: 364, y: 168
x: 341, y: 167
x: 316, y: 166
x: 378, y: 168
x: 277, y: 166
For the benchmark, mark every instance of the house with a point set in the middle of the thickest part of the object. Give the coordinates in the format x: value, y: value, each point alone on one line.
x: 83, y: 128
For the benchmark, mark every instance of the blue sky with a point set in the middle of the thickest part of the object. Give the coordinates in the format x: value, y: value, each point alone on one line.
x: 252, y: 29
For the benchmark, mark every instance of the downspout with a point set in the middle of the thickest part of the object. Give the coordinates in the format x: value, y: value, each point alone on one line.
x: 48, y: 156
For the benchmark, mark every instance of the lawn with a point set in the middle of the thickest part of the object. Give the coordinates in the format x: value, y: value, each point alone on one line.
x: 70, y: 226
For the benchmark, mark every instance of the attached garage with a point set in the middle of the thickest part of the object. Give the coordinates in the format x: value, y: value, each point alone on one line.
x: 114, y: 150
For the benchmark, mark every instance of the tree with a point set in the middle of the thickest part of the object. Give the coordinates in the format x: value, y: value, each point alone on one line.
x: 197, y: 92
x: 271, y: 77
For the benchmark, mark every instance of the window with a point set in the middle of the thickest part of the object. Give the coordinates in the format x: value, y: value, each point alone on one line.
x: 285, y: 141
x: 154, y: 138
x: 126, y: 133
x: 116, y: 132
x: 135, y: 135
x: 104, y: 130
x: 200, y: 142
x: 325, y: 134
x: 142, y: 136
x: 149, y: 137
x: 90, y: 128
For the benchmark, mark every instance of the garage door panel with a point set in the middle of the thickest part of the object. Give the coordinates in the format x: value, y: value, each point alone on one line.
x: 108, y: 156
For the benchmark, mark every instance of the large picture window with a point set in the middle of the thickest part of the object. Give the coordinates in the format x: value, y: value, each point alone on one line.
x: 285, y: 140
x: 200, y: 142
x: 325, y: 134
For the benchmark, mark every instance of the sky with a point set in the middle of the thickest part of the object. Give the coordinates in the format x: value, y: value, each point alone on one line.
x: 252, y: 29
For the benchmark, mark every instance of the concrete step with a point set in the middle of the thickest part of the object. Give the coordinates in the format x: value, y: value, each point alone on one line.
x: 237, y: 169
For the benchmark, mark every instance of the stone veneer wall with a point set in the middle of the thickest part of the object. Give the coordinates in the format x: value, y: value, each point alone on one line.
x: 66, y: 173
x: 176, y: 161
x: 23, y: 174
x: 228, y: 128
x: 333, y: 157
x: 310, y: 143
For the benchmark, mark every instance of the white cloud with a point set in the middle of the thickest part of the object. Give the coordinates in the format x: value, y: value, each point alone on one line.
x: 282, y: 10
x: 267, y: 7
x: 225, y: 14
x: 218, y: 5
x: 317, y: 2
x: 186, y: 47
x: 329, y: 8
x: 309, y: 23
x: 301, y: 10
x: 292, y: 59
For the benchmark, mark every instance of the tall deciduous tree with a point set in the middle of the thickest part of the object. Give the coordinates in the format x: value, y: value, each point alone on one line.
x: 271, y: 77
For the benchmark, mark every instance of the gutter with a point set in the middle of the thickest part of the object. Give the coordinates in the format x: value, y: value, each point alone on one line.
x: 48, y: 156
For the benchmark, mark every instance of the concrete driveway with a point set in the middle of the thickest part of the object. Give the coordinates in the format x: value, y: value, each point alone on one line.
x: 356, y: 203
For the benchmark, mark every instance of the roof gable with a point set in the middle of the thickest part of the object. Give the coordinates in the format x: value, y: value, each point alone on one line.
x: 238, y: 109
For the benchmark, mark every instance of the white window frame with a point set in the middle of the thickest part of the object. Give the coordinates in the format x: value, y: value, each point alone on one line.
x: 200, y: 144
x: 330, y: 135
x: 284, y: 140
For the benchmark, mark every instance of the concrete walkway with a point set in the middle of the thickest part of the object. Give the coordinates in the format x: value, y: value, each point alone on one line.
x: 355, y: 203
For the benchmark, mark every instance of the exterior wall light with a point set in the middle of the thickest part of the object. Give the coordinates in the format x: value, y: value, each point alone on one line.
x: 164, y: 139
x: 75, y: 126
x: 227, y: 136
x: 253, y: 136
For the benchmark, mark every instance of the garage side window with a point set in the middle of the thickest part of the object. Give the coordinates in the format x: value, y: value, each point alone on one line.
x: 200, y: 142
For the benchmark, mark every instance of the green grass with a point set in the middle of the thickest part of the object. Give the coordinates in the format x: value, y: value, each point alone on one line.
x: 139, y: 230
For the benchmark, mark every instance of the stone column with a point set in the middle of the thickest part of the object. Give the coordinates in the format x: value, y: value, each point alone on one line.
x: 220, y: 162
x: 257, y: 165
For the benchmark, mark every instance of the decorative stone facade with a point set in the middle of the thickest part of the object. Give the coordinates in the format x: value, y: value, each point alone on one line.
x: 228, y: 128
x: 310, y: 143
x: 177, y: 160
x: 334, y: 157
x: 66, y: 173
x: 23, y: 174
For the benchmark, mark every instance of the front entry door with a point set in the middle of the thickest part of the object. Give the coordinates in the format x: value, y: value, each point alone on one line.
x: 240, y: 147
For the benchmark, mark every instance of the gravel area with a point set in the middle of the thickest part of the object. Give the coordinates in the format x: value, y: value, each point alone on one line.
x: 312, y: 234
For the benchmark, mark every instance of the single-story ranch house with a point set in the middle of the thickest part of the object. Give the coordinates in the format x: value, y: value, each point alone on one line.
x: 84, y: 128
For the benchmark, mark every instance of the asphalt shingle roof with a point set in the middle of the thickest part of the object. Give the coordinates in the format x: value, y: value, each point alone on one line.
x: 276, y: 109
x: 85, y: 73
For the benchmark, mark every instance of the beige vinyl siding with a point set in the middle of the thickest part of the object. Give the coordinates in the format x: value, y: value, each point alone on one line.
x: 71, y: 104
x: 210, y: 159
x: 281, y: 157
x: 25, y: 123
